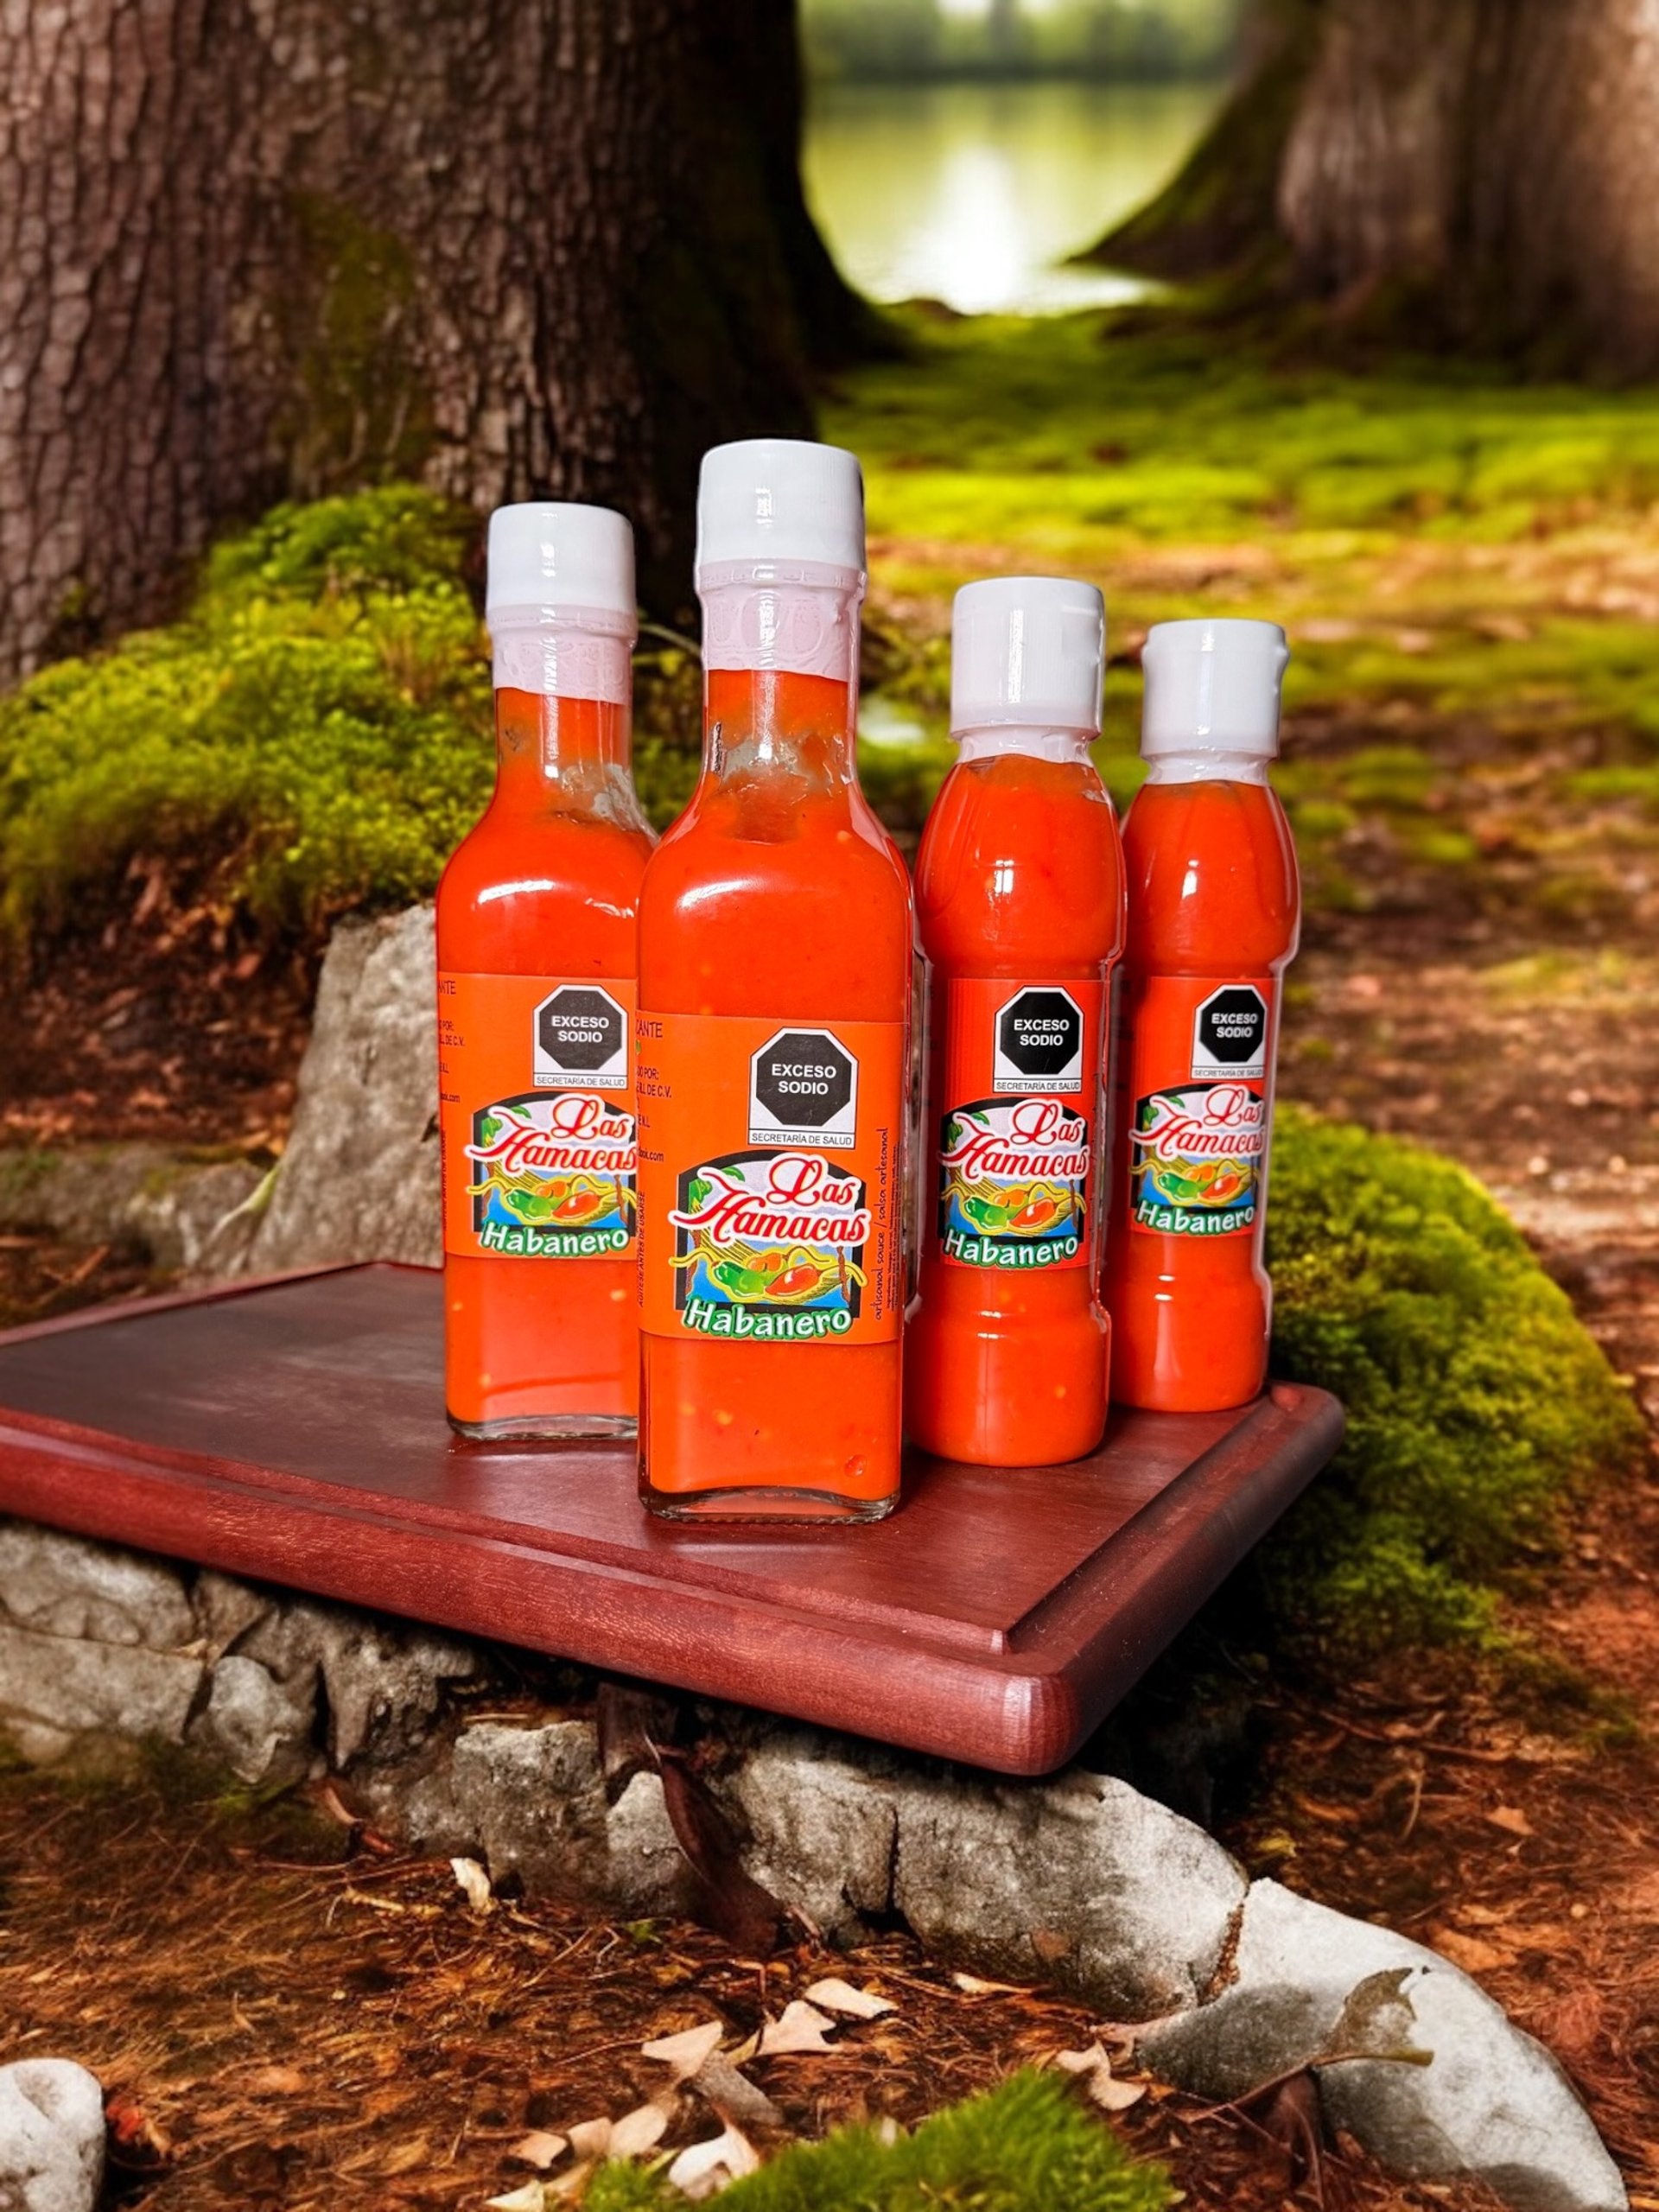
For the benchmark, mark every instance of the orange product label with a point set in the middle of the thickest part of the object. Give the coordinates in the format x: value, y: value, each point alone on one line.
x: 1199, y: 1077
x: 535, y: 1116
x: 771, y: 1168
x: 1018, y: 1092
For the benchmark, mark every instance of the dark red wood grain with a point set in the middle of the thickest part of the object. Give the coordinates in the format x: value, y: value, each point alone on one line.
x: 294, y: 1431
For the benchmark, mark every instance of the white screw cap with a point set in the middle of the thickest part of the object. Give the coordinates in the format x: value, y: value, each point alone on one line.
x: 550, y: 557
x: 782, y: 501
x: 1026, y: 652
x: 1212, y: 687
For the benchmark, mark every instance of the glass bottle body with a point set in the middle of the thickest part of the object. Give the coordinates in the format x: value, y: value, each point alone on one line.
x: 544, y: 1342
x: 1214, y: 908
x: 777, y: 904
x: 1020, y: 889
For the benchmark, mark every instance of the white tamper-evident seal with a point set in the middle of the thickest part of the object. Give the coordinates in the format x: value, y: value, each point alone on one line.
x: 559, y: 600
x: 1026, y: 652
x: 780, y: 556
x: 1213, y: 686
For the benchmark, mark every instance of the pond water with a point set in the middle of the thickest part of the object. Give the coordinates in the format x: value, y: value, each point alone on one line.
x: 974, y: 193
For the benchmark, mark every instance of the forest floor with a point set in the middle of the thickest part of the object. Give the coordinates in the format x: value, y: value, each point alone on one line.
x: 1470, y: 576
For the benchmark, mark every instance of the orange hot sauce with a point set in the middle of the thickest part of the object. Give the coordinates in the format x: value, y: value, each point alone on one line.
x: 535, y: 933
x: 1214, y: 914
x: 1020, y: 890
x: 776, y: 953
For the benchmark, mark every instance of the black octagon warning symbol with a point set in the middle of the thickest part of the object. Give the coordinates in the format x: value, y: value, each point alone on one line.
x: 1039, y: 1033
x: 581, y: 1033
x: 804, y: 1079
x: 1232, y: 1028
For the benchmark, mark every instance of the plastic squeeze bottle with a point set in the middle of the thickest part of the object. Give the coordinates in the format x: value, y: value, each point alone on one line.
x: 776, y: 951
x: 1215, y: 910
x: 1020, y: 892
x: 536, y: 921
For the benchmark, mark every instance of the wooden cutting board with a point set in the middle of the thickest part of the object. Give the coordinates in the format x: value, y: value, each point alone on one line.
x: 293, y: 1431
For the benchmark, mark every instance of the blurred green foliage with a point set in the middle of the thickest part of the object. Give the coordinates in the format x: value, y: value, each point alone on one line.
x: 1444, y: 547
x: 1127, y: 41
x: 1479, y: 1406
x: 1030, y: 2146
x: 1077, y: 433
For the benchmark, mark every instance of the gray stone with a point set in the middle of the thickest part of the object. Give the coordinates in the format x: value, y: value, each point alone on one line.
x: 384, y: 1682
x: 188, y: 1216
x: 33, y: 1741
x: 644, y: 1868
x: 533, y: 1800
x: 52, y: 2137
x: 259, y: 1726
x: 226, y: 1609
x: 358, y: 1179
x: 83, y: 1193
x: 177, y: 1205
x: 118, y: 1689
x: 823, y: 1825
x: 64, y: 1585
x: 1082, y: 1879
x: 1493, y: 2105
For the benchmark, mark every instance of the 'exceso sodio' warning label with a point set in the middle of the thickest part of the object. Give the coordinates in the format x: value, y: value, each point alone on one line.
x: 536, y: 1117
x: 1199, y: 1124
x: 770, y: 1169
x: 1017, y: 1082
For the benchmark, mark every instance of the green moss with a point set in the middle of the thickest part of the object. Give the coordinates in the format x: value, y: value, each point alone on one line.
x: 316, y: 727
x: 1030, y: 2146
x: 1478, y: 1407
x: 359, y: 366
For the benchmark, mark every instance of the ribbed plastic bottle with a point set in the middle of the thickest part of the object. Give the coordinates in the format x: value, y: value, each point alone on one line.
x: 1214, y: 914
x: 536, y: 929
x: 1020, y: 894
x: 776, y: 953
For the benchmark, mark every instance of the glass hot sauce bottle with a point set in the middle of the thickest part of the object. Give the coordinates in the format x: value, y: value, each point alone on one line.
x: 776, y: 955
x: 1020, y: 892
x: 1214, y: 914
x: 536, y: 933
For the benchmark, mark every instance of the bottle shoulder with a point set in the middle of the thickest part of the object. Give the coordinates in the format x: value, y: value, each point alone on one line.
x: 1020, y: 868
x: 817, y: 918
x: 830, y: 852
x: 1213, y: 885
x: 553, y: 896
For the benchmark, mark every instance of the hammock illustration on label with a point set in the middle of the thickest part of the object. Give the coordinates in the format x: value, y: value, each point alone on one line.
x: 742, y: 1275
x: 555, y: 1201
x: 989, y: 1207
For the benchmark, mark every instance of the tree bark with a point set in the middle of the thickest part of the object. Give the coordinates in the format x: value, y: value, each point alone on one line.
x: 252, y: 249
x: 1480, y: 174
x: 1218, y: 214
x: 1495, y: 160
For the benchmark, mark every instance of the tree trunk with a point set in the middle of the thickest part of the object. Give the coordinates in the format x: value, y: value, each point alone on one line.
x: 1474, y: 173
x: 251, y: 249
x: 758, y: 49
x: 1218, y: 214
x: 1497, y: 160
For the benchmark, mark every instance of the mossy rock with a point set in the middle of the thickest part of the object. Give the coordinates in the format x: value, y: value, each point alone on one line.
x: 1479, y: 1406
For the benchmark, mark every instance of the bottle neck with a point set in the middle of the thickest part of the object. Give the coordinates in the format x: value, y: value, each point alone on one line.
x: 997, y: 741
x: 562, y: 721
x: 780, y: 675
x: 1208, y: 767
